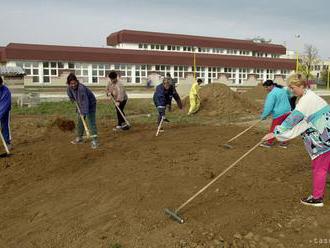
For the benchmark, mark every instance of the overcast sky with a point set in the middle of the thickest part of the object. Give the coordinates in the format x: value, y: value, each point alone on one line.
x: 89, y: 22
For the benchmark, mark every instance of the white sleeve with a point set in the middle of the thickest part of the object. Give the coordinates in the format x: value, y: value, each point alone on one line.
x: 284, y: 135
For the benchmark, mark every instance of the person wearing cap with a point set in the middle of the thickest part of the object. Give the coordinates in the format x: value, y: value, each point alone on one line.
x: 116, y: 89
x: 194, y: 98
x: 163, y: 96
x: 278, y: 106
x: 311, y: 120
x: 5, y: 107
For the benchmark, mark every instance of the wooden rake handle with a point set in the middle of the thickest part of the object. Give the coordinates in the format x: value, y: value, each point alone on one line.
x: 4, y: 142
x: 88, y: 134
x: 244, y: 131
x: 121, y: 113
x: 215, y: 179
x: 160, y: 125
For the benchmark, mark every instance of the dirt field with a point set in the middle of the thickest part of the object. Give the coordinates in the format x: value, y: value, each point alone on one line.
x: 54, y: 194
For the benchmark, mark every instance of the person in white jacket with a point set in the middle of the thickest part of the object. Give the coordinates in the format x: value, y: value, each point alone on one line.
x: 311, y: 120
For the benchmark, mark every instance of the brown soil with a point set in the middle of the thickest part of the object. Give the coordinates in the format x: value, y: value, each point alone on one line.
x: 64, y: 124
x: 54, y: 194
x: 257, y: 93
x: 219, y: 100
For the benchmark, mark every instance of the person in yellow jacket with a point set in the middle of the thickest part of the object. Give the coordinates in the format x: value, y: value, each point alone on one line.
x: 194, y: 98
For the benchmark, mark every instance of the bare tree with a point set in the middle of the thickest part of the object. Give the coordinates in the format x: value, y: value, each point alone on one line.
x: 308, y: 59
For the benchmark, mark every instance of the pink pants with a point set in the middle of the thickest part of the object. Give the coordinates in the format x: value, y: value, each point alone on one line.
x: 320, y: 168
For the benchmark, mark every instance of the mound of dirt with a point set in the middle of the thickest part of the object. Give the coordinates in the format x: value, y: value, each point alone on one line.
x: 64, y: 124
x: 219, y: 99
x: 257, y: 93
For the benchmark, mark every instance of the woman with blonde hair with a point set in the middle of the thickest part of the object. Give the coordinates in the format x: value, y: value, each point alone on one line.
x: 311, y: 119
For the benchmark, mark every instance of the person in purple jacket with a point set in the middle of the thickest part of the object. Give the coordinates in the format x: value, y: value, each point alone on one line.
x: 86, y: 101
x: 5, y: 107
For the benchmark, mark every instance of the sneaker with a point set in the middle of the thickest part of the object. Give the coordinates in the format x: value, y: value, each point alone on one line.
x: 94, y: 144
x: 125, y: 127
x: 283, y: 145
x: 310, y: 201
x: 161, y: 130
x: 266, y: 145
x: 117, y: 128
x: 77, y: 141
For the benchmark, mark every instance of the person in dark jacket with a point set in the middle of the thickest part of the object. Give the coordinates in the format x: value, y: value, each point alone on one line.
x: 163, y: 96
x: 86, y: 101
x: 5, y: 107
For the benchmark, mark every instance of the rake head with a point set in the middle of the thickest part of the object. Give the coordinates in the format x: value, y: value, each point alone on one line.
x: 5, y: 155
x: 174, y: 215
x: 228, y: 146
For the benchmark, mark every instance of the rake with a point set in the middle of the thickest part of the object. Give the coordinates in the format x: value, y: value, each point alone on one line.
x: 174, y: 214
x: 128, y: 125
x: 238, y: 135
x: 4, y: 144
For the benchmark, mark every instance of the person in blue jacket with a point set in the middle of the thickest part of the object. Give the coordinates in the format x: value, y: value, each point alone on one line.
x: 278, y: 106
x: 5, y: 107
x: 163, y: 96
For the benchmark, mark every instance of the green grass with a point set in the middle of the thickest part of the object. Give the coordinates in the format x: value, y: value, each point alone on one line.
x: 135, y: 108
x: 115, y: 245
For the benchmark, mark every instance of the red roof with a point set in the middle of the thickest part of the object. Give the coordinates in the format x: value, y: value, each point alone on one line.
x: 15, y: 51
x: 2, y: 50
x: 133, y: 36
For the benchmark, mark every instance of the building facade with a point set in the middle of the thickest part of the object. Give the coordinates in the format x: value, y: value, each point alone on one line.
x: 137, y: 55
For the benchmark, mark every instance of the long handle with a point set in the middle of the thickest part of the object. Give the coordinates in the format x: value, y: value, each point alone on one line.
x: 83, y: 121
x: 4, y: 142
x: 160, y: 125
x: 243, y: 131
x: 121, y: 113
x: 215, y: 179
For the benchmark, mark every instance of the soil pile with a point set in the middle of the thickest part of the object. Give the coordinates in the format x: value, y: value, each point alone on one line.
x: 257, y: 93
x: 64, y: 124
x: 219, y: 100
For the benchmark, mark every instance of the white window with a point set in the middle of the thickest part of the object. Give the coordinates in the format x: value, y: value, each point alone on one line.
x: 50, y: 70
x: 179, y: 72
x: 242, y: 75
x: 141, y: 72
x: 125, y: 71
x: 81, y: 71
x: 260, y: 73
x: 162, y: 69
x: 31, y: 69
x: 200, y: 72
x: 270, y: 74
x: 99, y: 71
x: 231, y: 71
x: 213, y: 73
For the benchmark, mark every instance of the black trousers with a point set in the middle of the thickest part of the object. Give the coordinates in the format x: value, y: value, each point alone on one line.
x: 119, y: 117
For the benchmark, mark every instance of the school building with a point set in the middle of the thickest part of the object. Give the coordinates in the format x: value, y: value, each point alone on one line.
x: 139, y: 55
